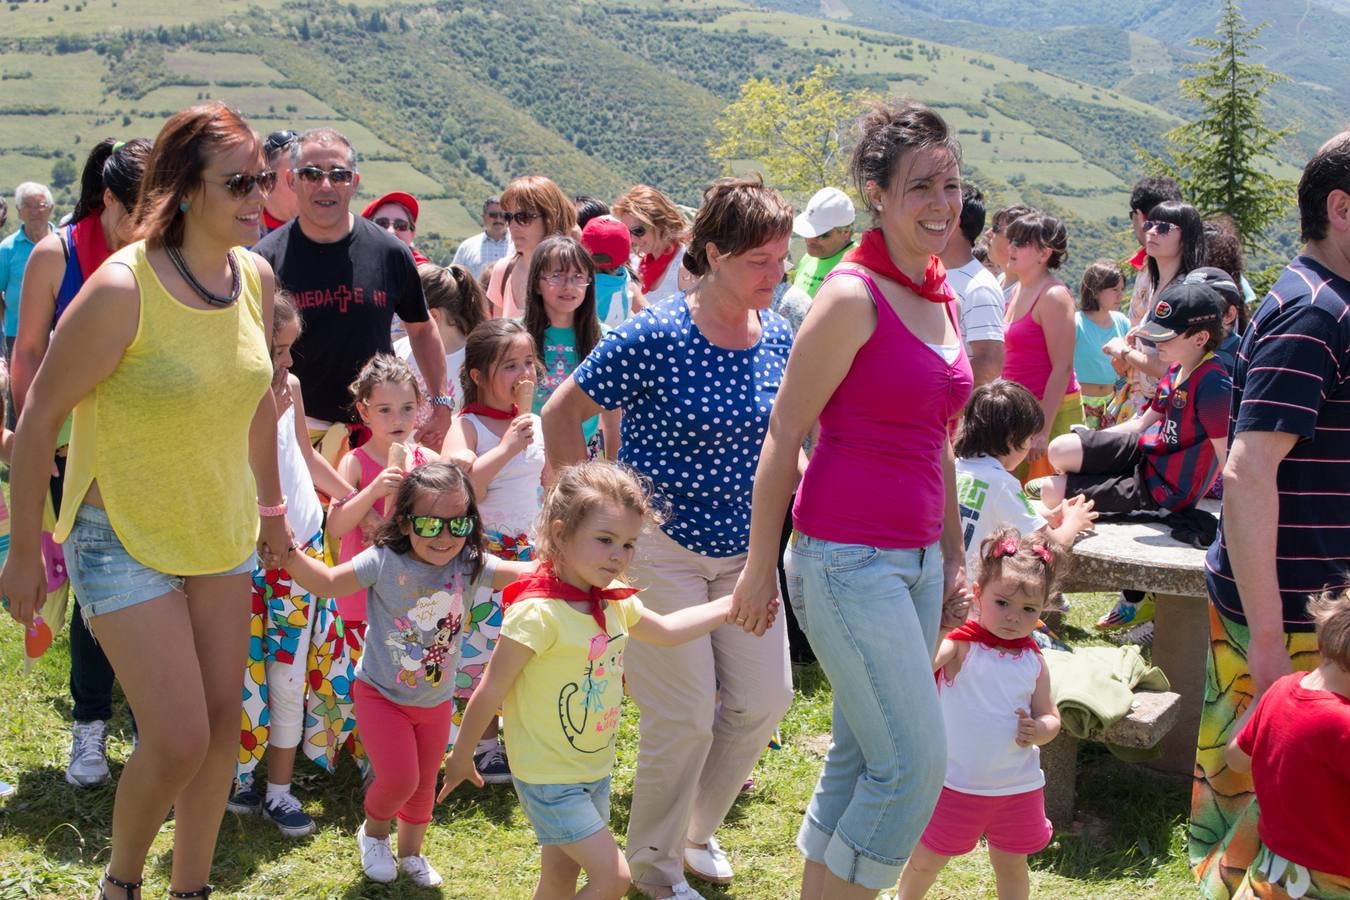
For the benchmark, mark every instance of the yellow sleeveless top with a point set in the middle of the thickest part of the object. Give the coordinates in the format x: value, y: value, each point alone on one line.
x: 166, y: 435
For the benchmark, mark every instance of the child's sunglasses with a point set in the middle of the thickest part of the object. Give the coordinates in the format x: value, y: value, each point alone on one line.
x: 432, y: 526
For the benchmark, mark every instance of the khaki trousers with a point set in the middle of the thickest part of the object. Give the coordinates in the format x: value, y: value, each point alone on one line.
x: 708, y: 709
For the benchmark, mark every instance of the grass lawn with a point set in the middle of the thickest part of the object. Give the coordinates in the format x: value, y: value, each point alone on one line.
x: 1129, y: 840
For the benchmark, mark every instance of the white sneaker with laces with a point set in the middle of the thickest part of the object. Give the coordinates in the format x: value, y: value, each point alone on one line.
x: 682, y: 891
x: 708, y: 863
x: 377, y: 860
x: 88, y: 754
x: 420, y: 870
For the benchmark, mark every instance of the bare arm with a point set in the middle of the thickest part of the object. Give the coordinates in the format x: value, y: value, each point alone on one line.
x: 274, y: 533
x: 952, y: 541
x: 986, y: 360
x: 425, y: 340
x: 342, y: 519
x: 1139, y: 423
x: 840, y: 320
x: 509, y: 659
x: 1250, y: 496
x: 1040, y: 727
x: 86, y: 348
x: 562, y: 415
x: 483, y: 467
x: 1055, y: 311
x: 682, y: 625
x: 321, y: 471
x: 610, y: 428
x: 319, y: 579
x: 509, y: 570
x: 37, y: 308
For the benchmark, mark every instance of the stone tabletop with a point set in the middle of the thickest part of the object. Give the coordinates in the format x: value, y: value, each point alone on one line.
x: 1138, y: 554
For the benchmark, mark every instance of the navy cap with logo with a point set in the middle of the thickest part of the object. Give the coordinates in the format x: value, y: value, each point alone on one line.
x: 1180, y: 307
x: 1218, y: 279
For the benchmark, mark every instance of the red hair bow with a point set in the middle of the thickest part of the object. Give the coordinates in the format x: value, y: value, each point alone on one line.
x: 1005, y: 548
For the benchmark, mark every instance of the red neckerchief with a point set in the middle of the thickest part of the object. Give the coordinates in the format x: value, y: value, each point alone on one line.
x: 1139, y: 259
x: 271, y: 222
x: 89, y: 242
x: 871, y: 253
x: 976, y: 633
x: 651, y: 268
x: 489, y: 412
x: 544, y: 582
x: 418, y: 258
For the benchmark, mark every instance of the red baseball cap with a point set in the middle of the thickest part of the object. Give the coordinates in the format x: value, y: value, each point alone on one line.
x: 405, y: 200
x: 607, y: 236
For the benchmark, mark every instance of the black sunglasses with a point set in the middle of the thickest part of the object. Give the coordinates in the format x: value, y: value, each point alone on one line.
x: 1160, y: 227
x: 278, y: 140
x: 522, y: 217
x: 399, y: 225
x: 497, y: 215
x: 314, y: 175
x: 241, y: 184
x: 432, y: 526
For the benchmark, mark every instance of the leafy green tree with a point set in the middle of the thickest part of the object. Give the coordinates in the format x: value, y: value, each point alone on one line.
x: 63, y: 173
x: 798, y: 131
x: 1223, y: 159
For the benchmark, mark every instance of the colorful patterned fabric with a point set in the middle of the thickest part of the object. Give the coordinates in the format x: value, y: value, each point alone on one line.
x: 286, y: 623
x: 1223, y: 840
x: 1095, y: 412
x: 1179, y: 459
x: 484, y: 625
x: 1271, y: 877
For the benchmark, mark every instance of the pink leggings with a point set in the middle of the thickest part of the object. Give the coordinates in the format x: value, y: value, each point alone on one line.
x: 405, y: 745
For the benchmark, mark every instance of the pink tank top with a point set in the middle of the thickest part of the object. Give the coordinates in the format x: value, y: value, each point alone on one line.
x: 875, y: 477
x: 1026, y: 358
x: 352, y: 607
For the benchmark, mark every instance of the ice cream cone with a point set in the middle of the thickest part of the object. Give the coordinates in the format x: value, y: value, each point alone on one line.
x: 398, y: 455
x: 523, y: 393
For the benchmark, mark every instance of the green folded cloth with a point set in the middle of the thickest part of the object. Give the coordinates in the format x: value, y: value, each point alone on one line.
x: 1094, y: 689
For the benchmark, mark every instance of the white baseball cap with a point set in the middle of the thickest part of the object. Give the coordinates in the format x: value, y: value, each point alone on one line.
x: 829, y: 208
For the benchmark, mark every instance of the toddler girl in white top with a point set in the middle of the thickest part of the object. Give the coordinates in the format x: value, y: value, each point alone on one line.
x: 994, y: 689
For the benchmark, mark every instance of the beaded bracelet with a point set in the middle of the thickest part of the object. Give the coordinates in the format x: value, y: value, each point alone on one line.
x: 271, y: 511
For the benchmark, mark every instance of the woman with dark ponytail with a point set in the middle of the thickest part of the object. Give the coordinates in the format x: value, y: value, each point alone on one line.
x: 58, y: 268
x: 455, y: 301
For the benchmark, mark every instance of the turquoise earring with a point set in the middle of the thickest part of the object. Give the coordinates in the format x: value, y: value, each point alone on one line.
x: 182, y: 206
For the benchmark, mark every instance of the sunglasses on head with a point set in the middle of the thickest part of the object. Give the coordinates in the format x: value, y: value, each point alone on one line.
x: 521, y: 218
x: 1160, y: 227
x: 638, y: 231
x: 432, y: 526
x: 399, y: 225
x: 241, y: 184
x: 314, y: 175
x: 279, y: 139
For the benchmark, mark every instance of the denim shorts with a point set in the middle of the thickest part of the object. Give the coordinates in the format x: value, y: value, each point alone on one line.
x: 565, y: 813
x: 103, y: 574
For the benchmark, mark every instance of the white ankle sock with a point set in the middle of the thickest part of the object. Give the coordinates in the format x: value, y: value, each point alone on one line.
x: 276, y: 790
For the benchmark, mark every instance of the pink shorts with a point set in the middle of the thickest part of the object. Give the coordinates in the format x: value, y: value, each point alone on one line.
x: 1014, y: 823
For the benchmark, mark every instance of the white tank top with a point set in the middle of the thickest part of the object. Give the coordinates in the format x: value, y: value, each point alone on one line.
x: 512, y: 499
x: 979, y: 709
x: 669, y: 285
x: 303, y: 511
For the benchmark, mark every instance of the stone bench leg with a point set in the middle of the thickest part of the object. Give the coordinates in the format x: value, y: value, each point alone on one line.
x: 1180, y: 644
x: 1059, y: 761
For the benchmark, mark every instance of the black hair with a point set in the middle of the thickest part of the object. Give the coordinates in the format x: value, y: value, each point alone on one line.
x: 1009, y: 214
x: 1149, y: 192
x: 1045, y: 230
x: 1100, y: 276
x: 1327, y: 171
x: 972, y: 212
x: 589, y: 208
x: 999, y: 417
x: 889, y: 132
x: 114, y: 166
x: 562, y: 254
x: 433, y: 478
x: 1192, y: 237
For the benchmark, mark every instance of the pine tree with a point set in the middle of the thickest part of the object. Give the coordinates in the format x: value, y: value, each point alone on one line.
x: 1223, y: 160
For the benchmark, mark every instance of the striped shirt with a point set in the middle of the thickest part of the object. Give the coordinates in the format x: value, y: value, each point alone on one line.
x: 1179, y: 459
x: 1293, y: 377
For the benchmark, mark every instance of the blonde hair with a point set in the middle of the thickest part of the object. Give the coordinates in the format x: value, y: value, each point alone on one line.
x: 1331, y: 612
x: 585, y: 487
x: 1032, y: 560
x: 655, y: 210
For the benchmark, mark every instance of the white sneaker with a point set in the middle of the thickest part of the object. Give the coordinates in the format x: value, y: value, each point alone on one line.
x: 708, y: 863
x: 419, y: 869
x: 88, y: 754
x: 377, y: 860
x: 680, y: 891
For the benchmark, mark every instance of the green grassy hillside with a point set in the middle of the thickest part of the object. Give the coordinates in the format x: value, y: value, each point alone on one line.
x: 453, y: 99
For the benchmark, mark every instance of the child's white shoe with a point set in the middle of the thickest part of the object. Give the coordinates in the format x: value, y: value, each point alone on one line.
x: 419, y: 869
x: 377, y: 860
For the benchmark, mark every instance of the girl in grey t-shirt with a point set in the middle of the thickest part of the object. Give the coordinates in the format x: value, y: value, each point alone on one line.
x: 421, y: 575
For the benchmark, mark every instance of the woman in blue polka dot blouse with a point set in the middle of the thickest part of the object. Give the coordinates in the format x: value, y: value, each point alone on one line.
x: 696, y: 377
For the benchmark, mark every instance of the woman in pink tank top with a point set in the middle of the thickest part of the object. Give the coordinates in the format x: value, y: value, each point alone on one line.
x: 1038, y: 334
x: 879, y: 363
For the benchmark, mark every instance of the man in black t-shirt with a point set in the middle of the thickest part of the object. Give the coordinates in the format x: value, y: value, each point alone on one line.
x: 348, y: 277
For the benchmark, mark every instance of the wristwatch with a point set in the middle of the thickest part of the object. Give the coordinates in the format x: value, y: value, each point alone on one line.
x: 443, y: 400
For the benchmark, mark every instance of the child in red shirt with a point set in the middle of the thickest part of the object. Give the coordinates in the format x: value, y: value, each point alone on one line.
x: 1296, y: 743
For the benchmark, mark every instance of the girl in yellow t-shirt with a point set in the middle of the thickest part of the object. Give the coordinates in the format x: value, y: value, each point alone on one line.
x: 557, y: 672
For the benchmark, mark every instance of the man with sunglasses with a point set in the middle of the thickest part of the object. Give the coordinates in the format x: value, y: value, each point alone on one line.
x: 480, y: 252
x: 280, y: 204
x: 348, y: 277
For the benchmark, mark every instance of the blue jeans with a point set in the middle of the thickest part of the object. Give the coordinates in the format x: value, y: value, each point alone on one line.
x: 872, y: 618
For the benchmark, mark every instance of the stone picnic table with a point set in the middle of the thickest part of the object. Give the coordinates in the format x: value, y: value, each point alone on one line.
x: 1140, y: 554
